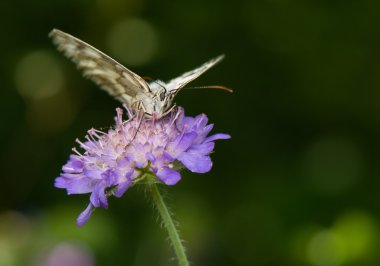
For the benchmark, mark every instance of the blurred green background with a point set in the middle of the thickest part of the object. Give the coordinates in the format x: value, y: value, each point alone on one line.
x: 298, y: 183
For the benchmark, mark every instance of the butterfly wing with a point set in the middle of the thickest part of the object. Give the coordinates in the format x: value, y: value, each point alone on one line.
x: 110, y: 75
x: 184, y: 79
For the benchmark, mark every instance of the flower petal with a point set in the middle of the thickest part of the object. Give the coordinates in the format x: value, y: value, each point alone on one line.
x: 185, y: 123
x: 202, y: 149
x: 201, y: 120
x: 195, y: 163
x: 168, y: 176
x: 123, y: 162
x: 202, y: 133
x: 149, y: 156
x: 121, y: 188
x: 85, y: 215
x: 93, y: 174
x: 74, y: 165
x: 124, y: 185
x: 60, y: 182
x: 98, y: 197
x: 181, y: 143
x: 111, y: 177
x: 80, y: 185
x: 217, y: 136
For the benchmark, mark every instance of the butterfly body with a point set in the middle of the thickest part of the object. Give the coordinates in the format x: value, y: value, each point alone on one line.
x: 154, y: 98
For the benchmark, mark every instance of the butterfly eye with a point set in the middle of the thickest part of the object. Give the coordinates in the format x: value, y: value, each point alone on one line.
x: 162, y: 96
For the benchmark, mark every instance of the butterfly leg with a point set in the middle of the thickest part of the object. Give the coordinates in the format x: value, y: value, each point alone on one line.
x: 170, y: 109
x: 140, y: 114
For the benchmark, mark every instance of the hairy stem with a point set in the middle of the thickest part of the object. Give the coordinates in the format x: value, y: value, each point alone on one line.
x: 169, y: 225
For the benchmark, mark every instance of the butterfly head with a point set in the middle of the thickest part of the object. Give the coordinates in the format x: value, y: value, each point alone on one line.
x: 162, y: 99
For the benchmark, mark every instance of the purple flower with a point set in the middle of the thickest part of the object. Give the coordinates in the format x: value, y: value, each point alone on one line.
x: 137, y: 150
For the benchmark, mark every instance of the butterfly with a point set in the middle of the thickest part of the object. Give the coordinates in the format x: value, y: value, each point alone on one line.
x: 154, y: 98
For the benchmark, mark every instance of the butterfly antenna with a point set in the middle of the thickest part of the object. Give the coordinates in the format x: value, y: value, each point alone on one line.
x: 212, y: 87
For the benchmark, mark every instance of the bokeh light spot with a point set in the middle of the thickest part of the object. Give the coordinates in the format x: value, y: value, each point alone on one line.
x: 132, y: 41
x: 326, y: 249
x: 52, y: 115
x: 15, y: 233
x: 38, y: 76
x: 71, y: 254
x: 117, y: 8
x: 7, y: 255
x: 63, y: 227
x: 360, y: 233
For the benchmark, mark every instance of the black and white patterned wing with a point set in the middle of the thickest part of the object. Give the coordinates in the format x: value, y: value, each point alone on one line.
x: 181, y: 81
x: 110, y: 75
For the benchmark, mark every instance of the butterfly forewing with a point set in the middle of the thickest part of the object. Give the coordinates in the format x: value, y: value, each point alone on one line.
x: 110, y: 75
x: 185, y: 78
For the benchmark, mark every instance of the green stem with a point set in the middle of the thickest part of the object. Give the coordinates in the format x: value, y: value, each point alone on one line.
x: 169, y: 225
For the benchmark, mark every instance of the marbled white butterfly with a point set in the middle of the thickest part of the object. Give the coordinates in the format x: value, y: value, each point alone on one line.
x: 155, y: 97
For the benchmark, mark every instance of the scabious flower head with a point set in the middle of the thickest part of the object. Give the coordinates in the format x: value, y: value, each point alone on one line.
x: 140, y: 149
